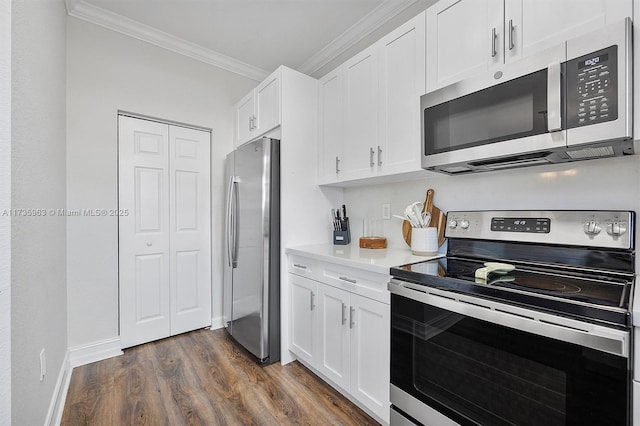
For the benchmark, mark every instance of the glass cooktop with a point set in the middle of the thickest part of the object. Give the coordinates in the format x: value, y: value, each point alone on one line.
x: 587, y: 295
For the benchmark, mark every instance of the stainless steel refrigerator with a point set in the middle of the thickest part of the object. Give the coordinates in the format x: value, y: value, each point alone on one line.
x: 251, y: 309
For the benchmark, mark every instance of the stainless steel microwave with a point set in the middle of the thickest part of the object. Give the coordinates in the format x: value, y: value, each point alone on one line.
x: 567, y: 103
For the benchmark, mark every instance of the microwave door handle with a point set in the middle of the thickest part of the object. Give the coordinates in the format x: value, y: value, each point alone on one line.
x: 554, y: 99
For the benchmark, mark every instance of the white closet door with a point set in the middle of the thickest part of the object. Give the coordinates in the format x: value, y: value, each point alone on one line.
x: 144, y: 233
x: 190, y: 235
x: 165, y: 240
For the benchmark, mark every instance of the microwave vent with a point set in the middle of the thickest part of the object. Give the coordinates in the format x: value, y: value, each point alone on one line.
x: 456, y: 169
x: 602, y: 151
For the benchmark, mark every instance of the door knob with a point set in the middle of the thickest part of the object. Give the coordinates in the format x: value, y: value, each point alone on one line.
x: 149, y: 243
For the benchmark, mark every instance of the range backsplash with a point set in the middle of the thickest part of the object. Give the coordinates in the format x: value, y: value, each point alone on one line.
x: 597, y: 184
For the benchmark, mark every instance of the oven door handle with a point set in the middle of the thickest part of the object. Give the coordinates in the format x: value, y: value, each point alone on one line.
x: 592, y: 336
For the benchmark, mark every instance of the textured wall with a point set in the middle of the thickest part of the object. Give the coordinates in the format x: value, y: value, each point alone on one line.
x: 107, y: 71
x: 5, y: 203
x: 38, y: 181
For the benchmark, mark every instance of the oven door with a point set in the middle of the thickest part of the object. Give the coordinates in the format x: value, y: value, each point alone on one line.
x: 506, y: 113
x: 479, y: 362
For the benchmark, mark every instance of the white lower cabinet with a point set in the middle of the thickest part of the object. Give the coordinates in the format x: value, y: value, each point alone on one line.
x: 370, y: 347
x: 303, y: 317
x: 333, y: 310
x: 341, y: 333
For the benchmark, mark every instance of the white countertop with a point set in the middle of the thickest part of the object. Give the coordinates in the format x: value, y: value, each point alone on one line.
x: 374, y: 260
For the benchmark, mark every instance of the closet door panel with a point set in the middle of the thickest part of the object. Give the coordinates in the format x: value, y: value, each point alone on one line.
x: 144, y: 232
x: 190, y: 227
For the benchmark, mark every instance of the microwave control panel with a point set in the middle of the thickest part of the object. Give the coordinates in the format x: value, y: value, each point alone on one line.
x: 592, y: 88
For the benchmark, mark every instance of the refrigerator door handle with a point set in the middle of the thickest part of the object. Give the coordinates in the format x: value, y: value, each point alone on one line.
x: 228, y: 216
x: 232, y: 222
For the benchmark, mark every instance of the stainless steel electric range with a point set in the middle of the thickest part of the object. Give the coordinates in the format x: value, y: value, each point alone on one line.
x: 526, y: 321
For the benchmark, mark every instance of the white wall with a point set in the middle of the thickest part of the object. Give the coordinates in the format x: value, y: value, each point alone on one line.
x: 594, y: 184
x: 5, y: 204
x: 107, y: 71
x: 38, y: 181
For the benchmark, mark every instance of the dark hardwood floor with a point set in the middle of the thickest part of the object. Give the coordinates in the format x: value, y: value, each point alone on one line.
x: 201, y: 378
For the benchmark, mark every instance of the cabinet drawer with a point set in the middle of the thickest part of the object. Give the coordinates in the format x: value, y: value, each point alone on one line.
x: 300, y: 266
x: 368, y: 284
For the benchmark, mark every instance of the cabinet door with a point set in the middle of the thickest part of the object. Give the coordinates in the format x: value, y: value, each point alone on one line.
x: 267, y: 103
x: 361, y: 115
x: 331, y: 126
x: 464, y: 38
x: 402, y: 82
x: 243, y: 119
x: 333, y: 311
x: 303, y: 317
x: 538, y: 24
x: 370, y: 357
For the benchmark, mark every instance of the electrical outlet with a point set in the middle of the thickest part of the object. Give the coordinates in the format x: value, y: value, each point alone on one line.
x: 43, y: 365
x: 386, y: 211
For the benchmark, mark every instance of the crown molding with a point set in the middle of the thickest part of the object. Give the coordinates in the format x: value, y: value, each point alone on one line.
x: 113, y: 21
x: 365, y: 26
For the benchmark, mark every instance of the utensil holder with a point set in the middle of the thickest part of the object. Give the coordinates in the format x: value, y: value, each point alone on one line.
x: 424, y: 241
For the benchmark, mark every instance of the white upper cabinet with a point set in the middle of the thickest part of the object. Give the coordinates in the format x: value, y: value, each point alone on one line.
x: 243, y: 113
x: 361, y: 115
x: 464, y: 38
x: 369, y: 109
x: 267, y: 115
x: 331, y: 112
x: 468, y: 37
x: 402, y: 82
x: 539, y: 24
x: 258, y: 112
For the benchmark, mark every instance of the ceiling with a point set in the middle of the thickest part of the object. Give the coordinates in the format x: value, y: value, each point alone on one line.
x: 249, y: 37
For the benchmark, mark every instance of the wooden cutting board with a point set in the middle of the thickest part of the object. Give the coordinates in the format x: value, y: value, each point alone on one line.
x: 438, y: 219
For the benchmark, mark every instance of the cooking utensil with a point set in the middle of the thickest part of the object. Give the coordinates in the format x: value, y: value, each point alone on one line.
x: 437, y: 219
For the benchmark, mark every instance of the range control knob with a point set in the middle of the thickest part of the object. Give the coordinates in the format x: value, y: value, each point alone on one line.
x: 464, y: 224
x: 616, y: 229
x: 592, y: 228
x: 453, y: 224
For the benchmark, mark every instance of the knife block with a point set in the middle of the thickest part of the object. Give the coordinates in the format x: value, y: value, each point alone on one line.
x: 342, y: 238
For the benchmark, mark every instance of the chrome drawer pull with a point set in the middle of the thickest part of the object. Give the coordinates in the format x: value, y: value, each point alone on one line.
x: 349, y: 280
x: 296, y: 265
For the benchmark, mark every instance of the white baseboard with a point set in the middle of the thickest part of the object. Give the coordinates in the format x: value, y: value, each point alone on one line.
x: 96, y: 351
x: 59, y: 397
x: 217, y: 323
x: 75, y: 357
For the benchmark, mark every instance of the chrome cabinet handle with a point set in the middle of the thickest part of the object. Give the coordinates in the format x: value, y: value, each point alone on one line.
x: 344, y: 314
x: 371, y: 154
x: 511, y: 43
x: 251, y: 122
x: 337, y: 165
x: 297, y: 265
x: 349, y: 280
x: 379, y: 156
x: 352, y: 311
x: 313, y: 305
x: 494, y: 38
